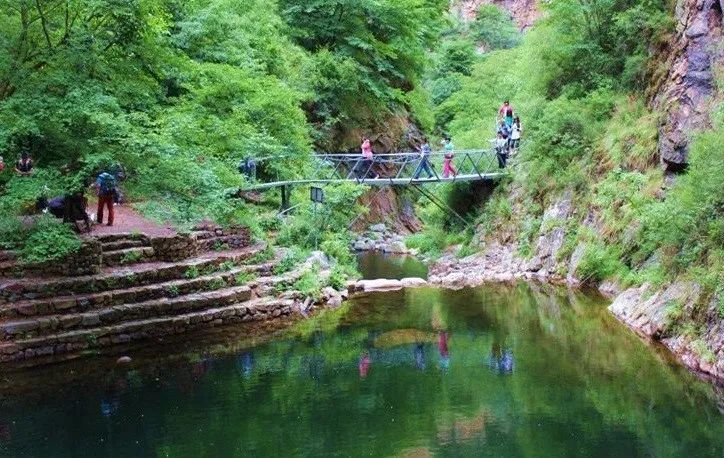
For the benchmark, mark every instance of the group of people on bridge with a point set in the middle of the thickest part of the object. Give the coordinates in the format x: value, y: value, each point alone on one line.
x: 506, y: 143
x: 508, y: 133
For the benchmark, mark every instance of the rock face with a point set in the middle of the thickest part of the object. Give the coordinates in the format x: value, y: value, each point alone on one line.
x: 523, y: 12
x: 653, y: 315
x: 552, y: 234
x: 684, y: 92
x: 387, y: 205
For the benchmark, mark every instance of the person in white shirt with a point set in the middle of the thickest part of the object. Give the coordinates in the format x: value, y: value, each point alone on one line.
x: 516, y: 130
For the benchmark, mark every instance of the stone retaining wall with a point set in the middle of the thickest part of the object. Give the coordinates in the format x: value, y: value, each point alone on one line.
x: 85, y: 340
x: 85, y: 261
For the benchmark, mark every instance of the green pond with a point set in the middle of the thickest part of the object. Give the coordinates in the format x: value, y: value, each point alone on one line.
x: 376, y: 264
x: 491, y: 371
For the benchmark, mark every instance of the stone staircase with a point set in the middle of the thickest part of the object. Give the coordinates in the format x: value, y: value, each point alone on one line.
x: 120, y: 249
x: 134, y: 298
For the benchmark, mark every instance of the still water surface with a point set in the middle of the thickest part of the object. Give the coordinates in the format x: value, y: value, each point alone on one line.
x: 493, y: 371
x: 376, y: 264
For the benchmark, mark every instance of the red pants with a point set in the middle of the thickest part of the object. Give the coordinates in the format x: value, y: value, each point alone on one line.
x: 105, y: 201
x: 448, y: 168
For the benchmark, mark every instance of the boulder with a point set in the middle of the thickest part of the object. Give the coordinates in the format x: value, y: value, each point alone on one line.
x: 395, y: 247
x: 381, y: 284
x: 413, y: 282
x: 378, y: 228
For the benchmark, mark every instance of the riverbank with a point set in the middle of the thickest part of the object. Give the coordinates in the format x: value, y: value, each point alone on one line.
x: 647, y: 310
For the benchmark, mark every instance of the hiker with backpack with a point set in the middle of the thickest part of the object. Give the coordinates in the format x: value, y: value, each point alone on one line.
x: 501, y: 150
x: 106, y: 188
x: 247, y: 167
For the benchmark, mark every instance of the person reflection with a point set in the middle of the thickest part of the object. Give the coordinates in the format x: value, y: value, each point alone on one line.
x: 364, y: 364
x: 442, y: 338
x: 201, y: 367
x: 500, y: 360
x: 245, y: 364
x: 111, y: 399
x: 420, y: 356
x: 5, y: 433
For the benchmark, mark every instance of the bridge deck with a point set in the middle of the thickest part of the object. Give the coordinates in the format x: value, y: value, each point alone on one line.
x: 377, y: 181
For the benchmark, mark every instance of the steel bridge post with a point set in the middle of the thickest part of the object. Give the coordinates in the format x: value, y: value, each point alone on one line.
x: 286, y: 192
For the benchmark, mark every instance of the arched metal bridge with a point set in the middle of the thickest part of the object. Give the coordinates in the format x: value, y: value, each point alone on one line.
x: 392, y: 169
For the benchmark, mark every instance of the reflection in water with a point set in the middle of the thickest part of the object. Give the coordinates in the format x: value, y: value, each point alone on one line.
x: 442, y: 348
x: 581, y: 386
x: 364, y: 364
x: 501, y: 362
x: 245, y: 363
x: 376, y: 264
x: 420, y: 356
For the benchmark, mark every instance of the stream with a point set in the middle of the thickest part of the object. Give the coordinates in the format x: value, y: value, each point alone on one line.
x: 492, y: 371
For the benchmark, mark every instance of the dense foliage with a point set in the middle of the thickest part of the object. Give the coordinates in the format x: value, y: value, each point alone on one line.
x: 178, y: 92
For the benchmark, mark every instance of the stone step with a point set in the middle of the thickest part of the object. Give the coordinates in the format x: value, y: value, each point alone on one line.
x: 8, y: 255
x: 223, y: 242
x: 123, y: 244
x: 127, y: 256
x: 8, y: 268
x: 16, y: 290
x: 59, y: 305
x: 107, y: 238
x: 103, y: 336
x: 35, y: 327
x: 203, y: 235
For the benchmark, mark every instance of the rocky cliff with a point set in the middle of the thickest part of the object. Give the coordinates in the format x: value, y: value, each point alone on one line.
x: 683, y: 93
x: 523, y: 12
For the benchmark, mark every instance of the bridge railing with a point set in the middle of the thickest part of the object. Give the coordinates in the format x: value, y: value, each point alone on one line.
x: 399, y: 166
x: 392, y: 168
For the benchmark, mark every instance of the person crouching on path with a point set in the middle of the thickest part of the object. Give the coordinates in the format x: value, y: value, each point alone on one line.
x: 24, y: 166
x: 106, y: 187
x: 447, y: 166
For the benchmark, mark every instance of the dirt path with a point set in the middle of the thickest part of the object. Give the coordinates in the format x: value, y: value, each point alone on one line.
x: 128, y: 220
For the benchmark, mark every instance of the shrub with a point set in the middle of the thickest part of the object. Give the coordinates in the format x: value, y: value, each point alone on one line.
x: 288, y: 262
x: 309, y: 284
x: 263, y: 256
x: 337, y: 246
x: 12, y: 233
x: 599, y: 262
x: 48, y: 240
x: 338, y: 278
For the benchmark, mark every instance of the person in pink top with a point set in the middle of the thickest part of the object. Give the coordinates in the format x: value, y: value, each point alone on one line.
x: 365, y: 166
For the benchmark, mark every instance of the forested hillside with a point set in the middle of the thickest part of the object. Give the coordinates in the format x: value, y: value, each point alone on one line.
x: 179, y: 92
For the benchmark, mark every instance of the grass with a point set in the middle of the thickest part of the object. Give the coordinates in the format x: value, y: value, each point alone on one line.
x: 192, y: 272
x: 131, y: 257
x: 244, y: 278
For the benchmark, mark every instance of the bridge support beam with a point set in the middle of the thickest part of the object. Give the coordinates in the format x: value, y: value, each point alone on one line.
x: 286, y: 194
